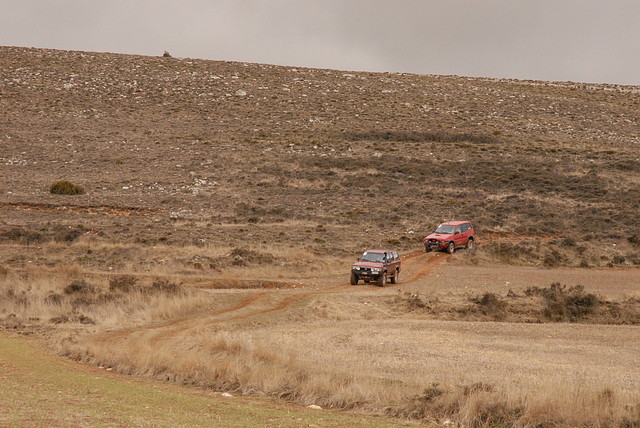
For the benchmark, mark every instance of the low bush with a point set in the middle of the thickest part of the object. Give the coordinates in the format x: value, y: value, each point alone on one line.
x: 79, y: 286
x: 164, y: 286
x: 123, y: 283
x: 490, y: 304
x: 64, y: 187
x: 22, y: 235
x: 566, y: 304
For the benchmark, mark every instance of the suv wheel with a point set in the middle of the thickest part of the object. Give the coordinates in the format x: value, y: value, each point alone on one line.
x: 354, y: 279
x: 394, y: 278
x: 451, y: 248
x: 382, y: 280
x: 470, y: 244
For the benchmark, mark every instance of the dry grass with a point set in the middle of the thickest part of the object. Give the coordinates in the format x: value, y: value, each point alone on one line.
x: 182, y: 340
x: 240, y: 363
x: 233, y: 362
x: 45, y: 296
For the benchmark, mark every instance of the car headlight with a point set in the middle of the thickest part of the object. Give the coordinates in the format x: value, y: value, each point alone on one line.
x: 375, y: 269
x: 356, y: 267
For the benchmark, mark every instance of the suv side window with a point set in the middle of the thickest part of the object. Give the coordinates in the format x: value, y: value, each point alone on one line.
x: 464, y: 227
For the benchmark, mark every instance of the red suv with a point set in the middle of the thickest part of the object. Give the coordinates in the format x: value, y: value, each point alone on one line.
x: 376, y: 265
x: 451, y: 235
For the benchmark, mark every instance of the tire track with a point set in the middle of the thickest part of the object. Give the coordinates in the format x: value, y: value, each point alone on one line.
x: 419, y: 264
x: 424, y: 264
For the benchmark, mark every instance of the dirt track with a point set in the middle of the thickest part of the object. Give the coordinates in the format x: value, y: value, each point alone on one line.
x: 416, y: 266
x: 362, y: 331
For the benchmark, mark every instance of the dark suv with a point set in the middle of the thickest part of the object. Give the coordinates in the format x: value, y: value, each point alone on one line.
x: 451, y: 235
x: 378, y: 266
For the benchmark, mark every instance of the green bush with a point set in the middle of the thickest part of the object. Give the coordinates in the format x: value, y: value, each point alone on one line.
x: 64, y: 187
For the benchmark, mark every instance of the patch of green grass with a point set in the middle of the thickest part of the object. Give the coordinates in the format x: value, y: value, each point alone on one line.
x: 41, y: 390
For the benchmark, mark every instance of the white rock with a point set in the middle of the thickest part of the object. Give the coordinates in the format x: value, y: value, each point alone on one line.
x: 241, y: 93
x: 313, y: 406
x: 226, y: 394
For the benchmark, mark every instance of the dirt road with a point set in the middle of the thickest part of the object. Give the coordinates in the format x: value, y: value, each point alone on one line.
x: 363, y: 330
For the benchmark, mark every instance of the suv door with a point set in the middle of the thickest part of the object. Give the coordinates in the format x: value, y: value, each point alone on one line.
x: 460, y: 237
x: 467, y: 232
x: 395, y: 262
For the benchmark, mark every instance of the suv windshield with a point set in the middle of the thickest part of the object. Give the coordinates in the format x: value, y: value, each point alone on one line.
x: 445, y: 228
x: 372, y: 257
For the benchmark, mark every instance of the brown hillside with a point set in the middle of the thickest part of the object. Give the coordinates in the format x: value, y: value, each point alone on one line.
x: 192, y: 151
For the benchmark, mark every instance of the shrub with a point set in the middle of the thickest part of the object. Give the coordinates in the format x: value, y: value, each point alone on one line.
x: 124, y: 283
x: 22, y: 235
x: 79, y: 286
x: 554, y: 258
x: 164, y: 286
x: 66, y: 234
x: 53, y: 299
x: 490, y: 304
x: 243, y: 256
x: 64, y: 187
x: 565, y: 304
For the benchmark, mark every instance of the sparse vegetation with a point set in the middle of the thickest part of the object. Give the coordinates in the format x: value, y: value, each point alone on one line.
x: 556, y: 303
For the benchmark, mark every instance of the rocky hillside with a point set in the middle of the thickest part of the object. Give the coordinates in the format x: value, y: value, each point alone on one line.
x: 192, y: 151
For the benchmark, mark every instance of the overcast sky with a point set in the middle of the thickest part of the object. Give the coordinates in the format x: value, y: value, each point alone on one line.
x: 576, y: 40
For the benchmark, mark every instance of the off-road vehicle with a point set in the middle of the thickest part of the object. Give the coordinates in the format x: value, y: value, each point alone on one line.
x: 376, y: 266
x: 451, y: 235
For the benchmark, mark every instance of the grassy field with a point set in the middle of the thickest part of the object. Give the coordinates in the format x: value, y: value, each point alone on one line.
x: 41, y: 390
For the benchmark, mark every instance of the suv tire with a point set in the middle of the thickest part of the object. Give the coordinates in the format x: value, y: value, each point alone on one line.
x: 382, y: 279
x: 354, y: 279
x: 451, y: 248
x: 394, y: 278
x: 470, y: 244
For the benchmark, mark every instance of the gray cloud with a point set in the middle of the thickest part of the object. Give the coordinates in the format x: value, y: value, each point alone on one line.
x: 579, y: 40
